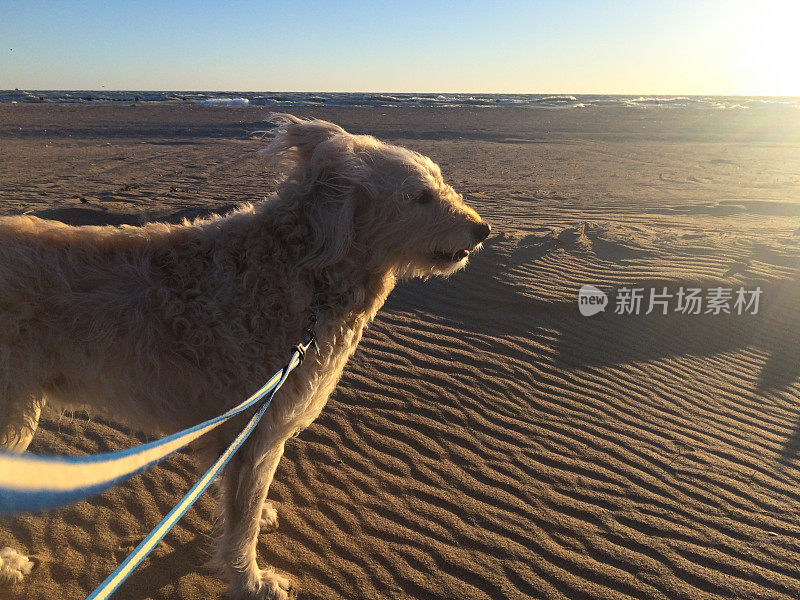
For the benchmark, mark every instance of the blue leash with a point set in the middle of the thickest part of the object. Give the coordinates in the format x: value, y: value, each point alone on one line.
x: 29, y: 483
x: 141, y: 551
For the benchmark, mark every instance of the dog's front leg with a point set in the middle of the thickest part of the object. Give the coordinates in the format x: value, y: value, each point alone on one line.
x: 245, y: 484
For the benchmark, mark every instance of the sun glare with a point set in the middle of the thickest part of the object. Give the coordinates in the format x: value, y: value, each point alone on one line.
x: 769, y: 49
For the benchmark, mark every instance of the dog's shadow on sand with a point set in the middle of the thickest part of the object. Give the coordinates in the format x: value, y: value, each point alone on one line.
x: 482, y: 300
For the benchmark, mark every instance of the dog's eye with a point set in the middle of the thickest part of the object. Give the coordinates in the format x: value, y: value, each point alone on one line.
x: 425, y: 197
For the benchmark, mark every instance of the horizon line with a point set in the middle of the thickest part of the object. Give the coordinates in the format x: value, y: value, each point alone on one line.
x: 243, y: 91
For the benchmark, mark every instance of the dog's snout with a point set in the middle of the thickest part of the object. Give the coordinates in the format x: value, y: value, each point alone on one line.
x: 482, y: 231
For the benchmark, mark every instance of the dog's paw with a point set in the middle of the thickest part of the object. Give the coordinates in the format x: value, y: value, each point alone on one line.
x: 269, y: 518
x: 266, y: 585
x: 13, y: 566
x: 275, y: 586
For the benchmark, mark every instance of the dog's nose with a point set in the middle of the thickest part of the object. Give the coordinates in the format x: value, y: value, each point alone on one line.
x: 482, y: 231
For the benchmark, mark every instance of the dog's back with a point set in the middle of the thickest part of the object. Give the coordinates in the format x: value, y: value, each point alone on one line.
x: 75, y: 309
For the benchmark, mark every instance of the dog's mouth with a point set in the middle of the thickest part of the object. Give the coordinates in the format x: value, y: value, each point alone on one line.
x: 456, y: 256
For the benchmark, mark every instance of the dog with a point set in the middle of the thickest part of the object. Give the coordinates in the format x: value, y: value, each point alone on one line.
x: 163, y: 326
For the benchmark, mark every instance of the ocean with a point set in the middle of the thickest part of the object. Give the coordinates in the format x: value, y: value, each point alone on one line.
x: 555, y: 101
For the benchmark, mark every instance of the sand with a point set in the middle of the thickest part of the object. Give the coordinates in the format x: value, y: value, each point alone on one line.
x: 487, y: 441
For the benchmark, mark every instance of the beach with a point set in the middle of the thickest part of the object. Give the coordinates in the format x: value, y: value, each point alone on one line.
x: 487, y: 439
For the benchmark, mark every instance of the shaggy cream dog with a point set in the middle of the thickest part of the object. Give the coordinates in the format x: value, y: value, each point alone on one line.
x: 163, y: 326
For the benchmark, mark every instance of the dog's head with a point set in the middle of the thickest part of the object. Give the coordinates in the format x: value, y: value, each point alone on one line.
x: 385, y: 206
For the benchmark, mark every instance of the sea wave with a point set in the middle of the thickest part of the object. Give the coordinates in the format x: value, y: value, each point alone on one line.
x: 558, y: 99
x: 394, y: 99
x: 225, y: 102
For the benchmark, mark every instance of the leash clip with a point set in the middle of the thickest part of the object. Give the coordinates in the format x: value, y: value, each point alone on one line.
x: 308, y: 338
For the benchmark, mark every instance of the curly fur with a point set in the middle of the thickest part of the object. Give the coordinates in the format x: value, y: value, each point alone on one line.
x: 162, y: 326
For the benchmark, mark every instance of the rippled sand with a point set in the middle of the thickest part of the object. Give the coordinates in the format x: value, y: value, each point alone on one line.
x: 487, y: 441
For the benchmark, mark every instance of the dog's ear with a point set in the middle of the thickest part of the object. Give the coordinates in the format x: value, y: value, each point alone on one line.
x: 326, y: 178
x: 295, y: 139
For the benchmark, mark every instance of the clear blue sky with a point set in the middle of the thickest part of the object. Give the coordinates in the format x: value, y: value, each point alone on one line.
x: 569, y: 46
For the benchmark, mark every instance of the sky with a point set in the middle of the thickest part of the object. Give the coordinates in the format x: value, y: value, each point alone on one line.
x: 725, y: 47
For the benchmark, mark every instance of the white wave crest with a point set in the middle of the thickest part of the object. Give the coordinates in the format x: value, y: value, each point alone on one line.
x: 225, y: 102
